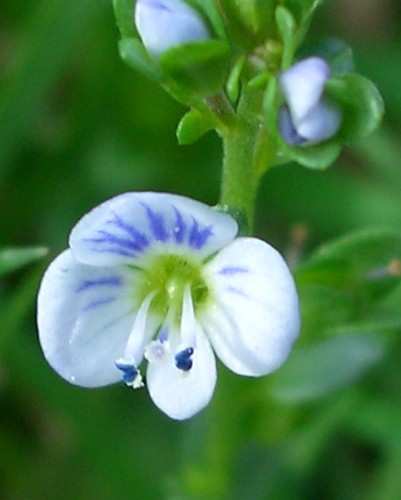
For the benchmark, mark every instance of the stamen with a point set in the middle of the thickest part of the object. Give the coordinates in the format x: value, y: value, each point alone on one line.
x: 183, y: 360
x: 128, y: 364
x: 130, y: 373
x: 188, y: 320
x: 138, y: 338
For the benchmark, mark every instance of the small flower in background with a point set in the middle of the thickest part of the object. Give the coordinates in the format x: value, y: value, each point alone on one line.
x: 163, y: 278
x: 308, y: 117
x: 164, y: 24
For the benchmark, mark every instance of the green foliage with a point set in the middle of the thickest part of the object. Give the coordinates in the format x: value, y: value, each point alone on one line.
x: 133, y: 53
x: 124, y: 13
x: 316, y: 371
x: 199, y: 68
x: 192, y: 127
x: 12, y: 259
x: 361, y: 103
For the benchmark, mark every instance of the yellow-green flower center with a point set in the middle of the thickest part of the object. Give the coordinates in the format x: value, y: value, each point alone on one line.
x: 167, y: 276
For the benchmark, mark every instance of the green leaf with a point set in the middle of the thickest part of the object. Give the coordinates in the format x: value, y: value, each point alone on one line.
x: 124, y: 12
x: 249, y: 21
x: 362, y: 105
x: 320, y: 369
x: 317, y: 157
x: 133, y: 53
x: 192, y: 127
x: 286, y: 27
x: 12, y: 259
x: 360, y: 260
x: 234, y: 80
x: 209, y: 8
x: 200, y: 68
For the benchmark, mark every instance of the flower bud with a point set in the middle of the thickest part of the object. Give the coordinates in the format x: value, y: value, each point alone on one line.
x: 308, y: 117
x: 163, y: 24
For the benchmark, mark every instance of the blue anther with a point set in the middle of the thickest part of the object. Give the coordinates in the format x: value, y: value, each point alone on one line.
x: 183, y: 359
x: 129, y: 371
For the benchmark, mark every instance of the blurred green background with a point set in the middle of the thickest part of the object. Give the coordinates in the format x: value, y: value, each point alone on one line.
x: 77, y: 127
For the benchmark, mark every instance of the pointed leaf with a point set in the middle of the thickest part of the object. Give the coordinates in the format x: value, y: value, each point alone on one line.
x: 12, y: 259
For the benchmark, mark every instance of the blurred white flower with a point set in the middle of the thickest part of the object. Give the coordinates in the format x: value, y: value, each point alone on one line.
x: 308, y: 117
x: 163, y: 278
x: 163, y: 24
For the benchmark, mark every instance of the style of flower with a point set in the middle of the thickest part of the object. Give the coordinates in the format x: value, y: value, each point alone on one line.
x: 164, y: 278
x: 308, y: 117
x: 164, y: 24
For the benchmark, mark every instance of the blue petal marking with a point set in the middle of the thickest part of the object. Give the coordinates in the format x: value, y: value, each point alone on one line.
x: 129, y: 371
x: 198, y: 237
x: 108, y: 281
x: 157, y: 224
x: 112, y: 239
x: 237, y: 291
x: 180, y: 227
x: 97, y: 303
x: 138, y: 238
x: 183, y: 360
x: 116, y: 251
x: 163, y: 334
x: 231, y: 270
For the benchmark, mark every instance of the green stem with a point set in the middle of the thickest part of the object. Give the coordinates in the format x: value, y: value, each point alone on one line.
x: 240, y: 177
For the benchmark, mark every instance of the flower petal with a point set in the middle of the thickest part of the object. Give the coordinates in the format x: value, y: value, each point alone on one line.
x: 181, y: 394
x: 303, y: 86
x: 125, y: 229
x: 321, y: 123
x: 85, y: 316
x: 163, y: 24
x: 255, y: 318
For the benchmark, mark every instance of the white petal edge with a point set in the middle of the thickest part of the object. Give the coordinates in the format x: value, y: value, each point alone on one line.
x: 254, y: 319
x: 164, y: 24
x: 85, y: 316
x: 180, y: 395
x: 182, y: 236
x: 303, y: 86
x: 322, y: 123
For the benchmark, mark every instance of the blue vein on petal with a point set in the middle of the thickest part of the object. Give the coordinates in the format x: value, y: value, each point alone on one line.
x: 138, y: 238
x: 180, y: 227
x: 198, y: 237
x: 237, y: 291
x: 157, y: 224
x: 109, y: 281
x: 98, y: 303
x: 232, y: 270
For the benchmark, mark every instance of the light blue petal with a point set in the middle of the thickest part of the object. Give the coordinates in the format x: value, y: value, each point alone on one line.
x: 126, y: 229
x: 163, y: 24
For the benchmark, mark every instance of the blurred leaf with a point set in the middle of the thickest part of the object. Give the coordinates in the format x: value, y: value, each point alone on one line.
x: 133, y: 53
x: 317, y: 370
x: 124, y: 12
x: 234, y: 80
x: 210, y: 9
x: 200, y: 67
x: 12, y: 259
x: 317, y: 157
x: 192, y: 127
x: 286, y: 27
x: 359, y: 259
x: 52, y: 38
x: 362, y: 105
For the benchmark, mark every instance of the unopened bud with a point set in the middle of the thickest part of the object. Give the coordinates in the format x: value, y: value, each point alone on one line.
x: 308, y: 117
x: 164, y: 24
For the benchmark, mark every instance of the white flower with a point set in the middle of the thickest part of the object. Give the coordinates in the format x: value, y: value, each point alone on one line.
x: 163, y: 277
x: 163, y: 24
x: 308, y: 117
